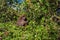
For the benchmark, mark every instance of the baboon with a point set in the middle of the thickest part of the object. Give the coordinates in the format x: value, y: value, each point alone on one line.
x: 22, y: 21
x: 6, y: 33
x: 0, y: 38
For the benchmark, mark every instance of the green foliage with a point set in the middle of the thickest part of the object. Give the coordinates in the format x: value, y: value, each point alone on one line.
x: 38, y: 13
x: 7, y: 13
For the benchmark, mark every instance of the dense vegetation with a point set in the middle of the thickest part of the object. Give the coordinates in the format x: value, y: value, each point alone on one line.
x: 43, y: 23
